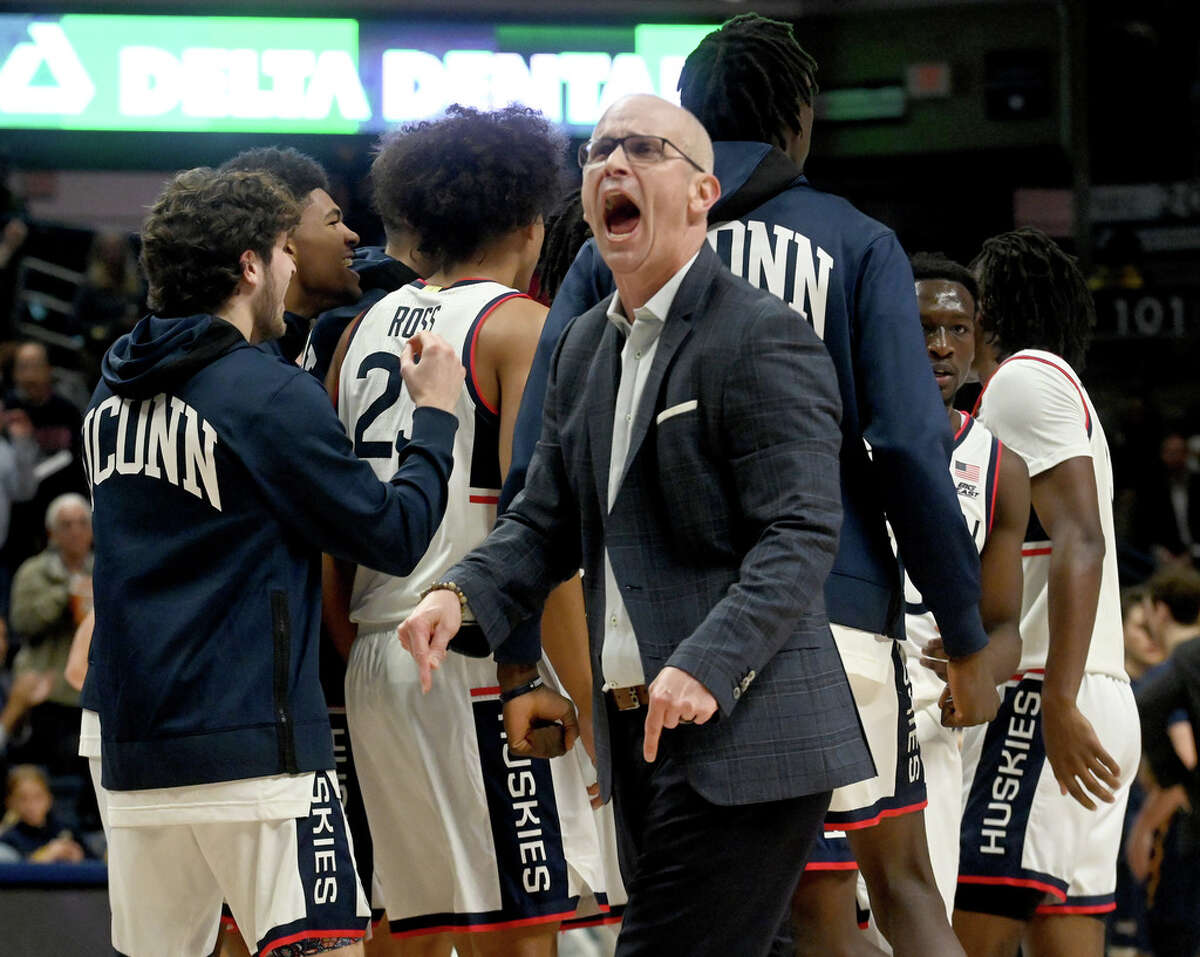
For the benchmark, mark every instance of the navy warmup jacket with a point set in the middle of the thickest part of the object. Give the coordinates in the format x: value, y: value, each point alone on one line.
x: 219, y: 474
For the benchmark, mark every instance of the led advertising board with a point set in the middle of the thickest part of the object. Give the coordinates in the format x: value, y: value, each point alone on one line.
x: 304, y: 75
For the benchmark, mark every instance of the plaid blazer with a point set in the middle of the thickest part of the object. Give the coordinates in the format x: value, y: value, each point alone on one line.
x: 721, y: 536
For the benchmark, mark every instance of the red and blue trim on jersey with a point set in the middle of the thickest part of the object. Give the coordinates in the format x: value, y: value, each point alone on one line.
x: 469, y: 344
x: 992, y: 485
x: 1000, y: 799
x: 1087, y: 415
x: 1087, y: 906
x: 608, y: 914
x: 475, y: 923
x: 1037, y: 539
x: 908, y: 789
x: 830, y: 852
x: 327, y: 872
x: 970, y: 473
x: 531, y: 866
x: 485, y: 480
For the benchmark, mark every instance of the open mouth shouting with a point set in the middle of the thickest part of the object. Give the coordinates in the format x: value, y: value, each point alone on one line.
x: 621, y: 214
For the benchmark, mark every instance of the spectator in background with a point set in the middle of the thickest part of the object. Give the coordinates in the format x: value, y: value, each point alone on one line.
x: 1127, y: 933
x: 1166, y: 512
x: 31, y: 831
x: 11, y: 239
x: 18, y: 483
x: 1173, y: 608
x: 27, y: 692
x: 12, y: 236
x: 52, y: 593
x: 106, y: 304
x: 1163, y: 846
x: 1142, y: 650
x: 57, y: 425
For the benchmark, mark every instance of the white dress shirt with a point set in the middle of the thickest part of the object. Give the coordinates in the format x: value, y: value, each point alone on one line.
x: 620, y: 660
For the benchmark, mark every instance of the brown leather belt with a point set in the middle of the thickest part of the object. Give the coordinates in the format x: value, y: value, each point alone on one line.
x: 626, y: 699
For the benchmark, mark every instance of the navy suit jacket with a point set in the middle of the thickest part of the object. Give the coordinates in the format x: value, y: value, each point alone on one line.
x: 721, y: 536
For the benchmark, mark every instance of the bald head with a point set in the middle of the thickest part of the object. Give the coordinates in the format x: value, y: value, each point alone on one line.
x: 647, y: 189
x: 646, y: 113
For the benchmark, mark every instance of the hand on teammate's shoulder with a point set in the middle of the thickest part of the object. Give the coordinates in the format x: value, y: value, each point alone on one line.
x: 432, y: 371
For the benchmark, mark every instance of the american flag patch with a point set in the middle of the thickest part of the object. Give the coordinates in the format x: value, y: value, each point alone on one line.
x: 965, y: 471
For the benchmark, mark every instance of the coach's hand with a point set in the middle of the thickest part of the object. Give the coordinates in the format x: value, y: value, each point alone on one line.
x: 971, y: 696
x: 1079, y: 763
x: 432, y: 371
x: 675, y: 698
x: 426, y: 633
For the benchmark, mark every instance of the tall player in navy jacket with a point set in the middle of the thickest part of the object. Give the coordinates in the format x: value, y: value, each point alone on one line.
x: 219, y: 473
x: 849, y: 277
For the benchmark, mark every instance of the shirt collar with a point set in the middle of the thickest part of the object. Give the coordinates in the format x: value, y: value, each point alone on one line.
x: 657, y: 306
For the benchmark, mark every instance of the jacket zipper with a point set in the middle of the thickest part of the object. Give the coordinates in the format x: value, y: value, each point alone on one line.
x: 281, y: 628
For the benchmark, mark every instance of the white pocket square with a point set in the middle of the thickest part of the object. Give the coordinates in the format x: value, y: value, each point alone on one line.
x: 683, y: 407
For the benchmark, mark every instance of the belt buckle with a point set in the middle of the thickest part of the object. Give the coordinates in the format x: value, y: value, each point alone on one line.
x: 626, y: 699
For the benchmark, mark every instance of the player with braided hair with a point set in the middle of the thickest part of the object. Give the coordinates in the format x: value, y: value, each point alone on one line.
x: 1036, y: 297
x: 1049, y: 778
x: 751, y: 81
x: 506, y: 844
x: 566, y: 231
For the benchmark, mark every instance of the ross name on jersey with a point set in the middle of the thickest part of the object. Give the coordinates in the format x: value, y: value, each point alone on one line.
x: 407, y: 321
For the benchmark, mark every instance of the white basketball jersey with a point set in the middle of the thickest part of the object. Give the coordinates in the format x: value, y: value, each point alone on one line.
x: 1036, y: 405
x: 975, y: 469
x: 377, y: 412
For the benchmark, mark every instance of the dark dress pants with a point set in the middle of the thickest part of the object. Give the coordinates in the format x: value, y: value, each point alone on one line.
x: 704, y: 880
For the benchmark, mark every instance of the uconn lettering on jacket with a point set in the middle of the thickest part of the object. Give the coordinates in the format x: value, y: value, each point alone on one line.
x: 1006, y: 784
x: 522, y: 792
x: 161, y: 438
x: 781, y: 261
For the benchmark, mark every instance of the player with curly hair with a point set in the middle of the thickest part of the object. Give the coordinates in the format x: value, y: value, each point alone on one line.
x: 1048, y: 780
x: 218, y: 475
x: 506, y: 844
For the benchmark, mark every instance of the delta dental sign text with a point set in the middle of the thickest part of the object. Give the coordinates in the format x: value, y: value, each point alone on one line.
x: 213, y: 74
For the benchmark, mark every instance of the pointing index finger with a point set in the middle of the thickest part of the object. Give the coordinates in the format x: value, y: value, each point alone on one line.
x: 654, y: 726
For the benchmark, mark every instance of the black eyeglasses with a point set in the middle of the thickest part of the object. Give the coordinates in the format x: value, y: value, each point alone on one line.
x: 640, y: 148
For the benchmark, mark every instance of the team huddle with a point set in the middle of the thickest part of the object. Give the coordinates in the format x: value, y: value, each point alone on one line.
x: 380, y: 537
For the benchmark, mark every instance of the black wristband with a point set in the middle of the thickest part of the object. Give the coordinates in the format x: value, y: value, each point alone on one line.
x: 531, y: 685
